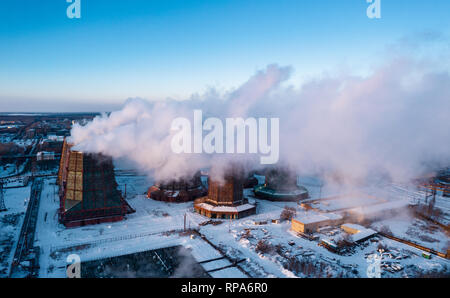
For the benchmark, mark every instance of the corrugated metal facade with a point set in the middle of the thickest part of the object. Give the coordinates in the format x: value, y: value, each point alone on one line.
x: 229, y: 193
x: 228, y: 196
x: 88, y: 189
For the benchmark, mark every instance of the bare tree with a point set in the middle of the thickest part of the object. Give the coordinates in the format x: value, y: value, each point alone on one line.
x: 288, y: 213
x: 264, y: 247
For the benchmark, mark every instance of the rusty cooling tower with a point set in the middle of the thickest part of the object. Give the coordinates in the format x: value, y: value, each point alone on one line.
x: 177, y: 191
x: 228, y: 192
x: 225, y: 199
x: 280, y: 185
x: 281, y: 179
x: 88, y: 189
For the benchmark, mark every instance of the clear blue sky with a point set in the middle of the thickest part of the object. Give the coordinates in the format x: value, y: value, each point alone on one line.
x: 172, y: 48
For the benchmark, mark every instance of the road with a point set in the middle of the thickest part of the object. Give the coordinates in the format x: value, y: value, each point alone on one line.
x: 25, y: 244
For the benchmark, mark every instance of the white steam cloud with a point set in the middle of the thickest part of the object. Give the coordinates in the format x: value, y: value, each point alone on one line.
x: 394, y: 121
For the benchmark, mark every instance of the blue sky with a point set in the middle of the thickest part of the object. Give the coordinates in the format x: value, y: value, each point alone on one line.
x: 156, y: 49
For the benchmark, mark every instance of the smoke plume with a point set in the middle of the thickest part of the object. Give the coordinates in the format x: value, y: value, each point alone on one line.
x: 393, y: 121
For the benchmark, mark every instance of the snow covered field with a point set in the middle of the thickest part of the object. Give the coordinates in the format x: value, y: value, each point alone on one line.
x: 417, y: 230
x: 149, y: 228
x: 16, y: 202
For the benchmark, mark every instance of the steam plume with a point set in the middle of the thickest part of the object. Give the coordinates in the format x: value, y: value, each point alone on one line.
x: 394, y: 121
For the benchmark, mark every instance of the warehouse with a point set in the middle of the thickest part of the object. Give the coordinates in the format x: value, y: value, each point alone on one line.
x: 310, y: 223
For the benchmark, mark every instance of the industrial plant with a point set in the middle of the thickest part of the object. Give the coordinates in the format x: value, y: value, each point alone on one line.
x: 62, y: 200
x: 219, y: 146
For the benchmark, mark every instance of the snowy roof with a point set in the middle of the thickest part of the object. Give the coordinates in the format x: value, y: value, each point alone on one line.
x: 342, y: 202
x: 333, y: 216
x: 226, y: 208
x: 314, y: 218
x: 379, y: 207
x: 45, y: 153
x: 354, y: 226
x: 363, y: 234
x: 55, y: 138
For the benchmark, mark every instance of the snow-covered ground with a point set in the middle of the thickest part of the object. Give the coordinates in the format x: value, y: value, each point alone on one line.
x: 149, y: 228
x: 416, y: 230
x: 25, y: 143
x: 16, y: 202
x: 134, y: 185
x: 271, y: 265
x: 418, y: 197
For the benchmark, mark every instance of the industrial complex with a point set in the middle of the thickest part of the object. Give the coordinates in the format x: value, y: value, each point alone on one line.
x: 57, y: 201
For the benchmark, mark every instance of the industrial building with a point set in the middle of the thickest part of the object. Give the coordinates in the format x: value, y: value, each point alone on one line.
x: 280, y: 185
x: 225, y: 199
x: 44, y: 155
x: 88, y: 189
x: 342, y: 203
x: 177, y: 191
x: 376, y: 212
x: 358, y: 233
x: 310, y: 223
